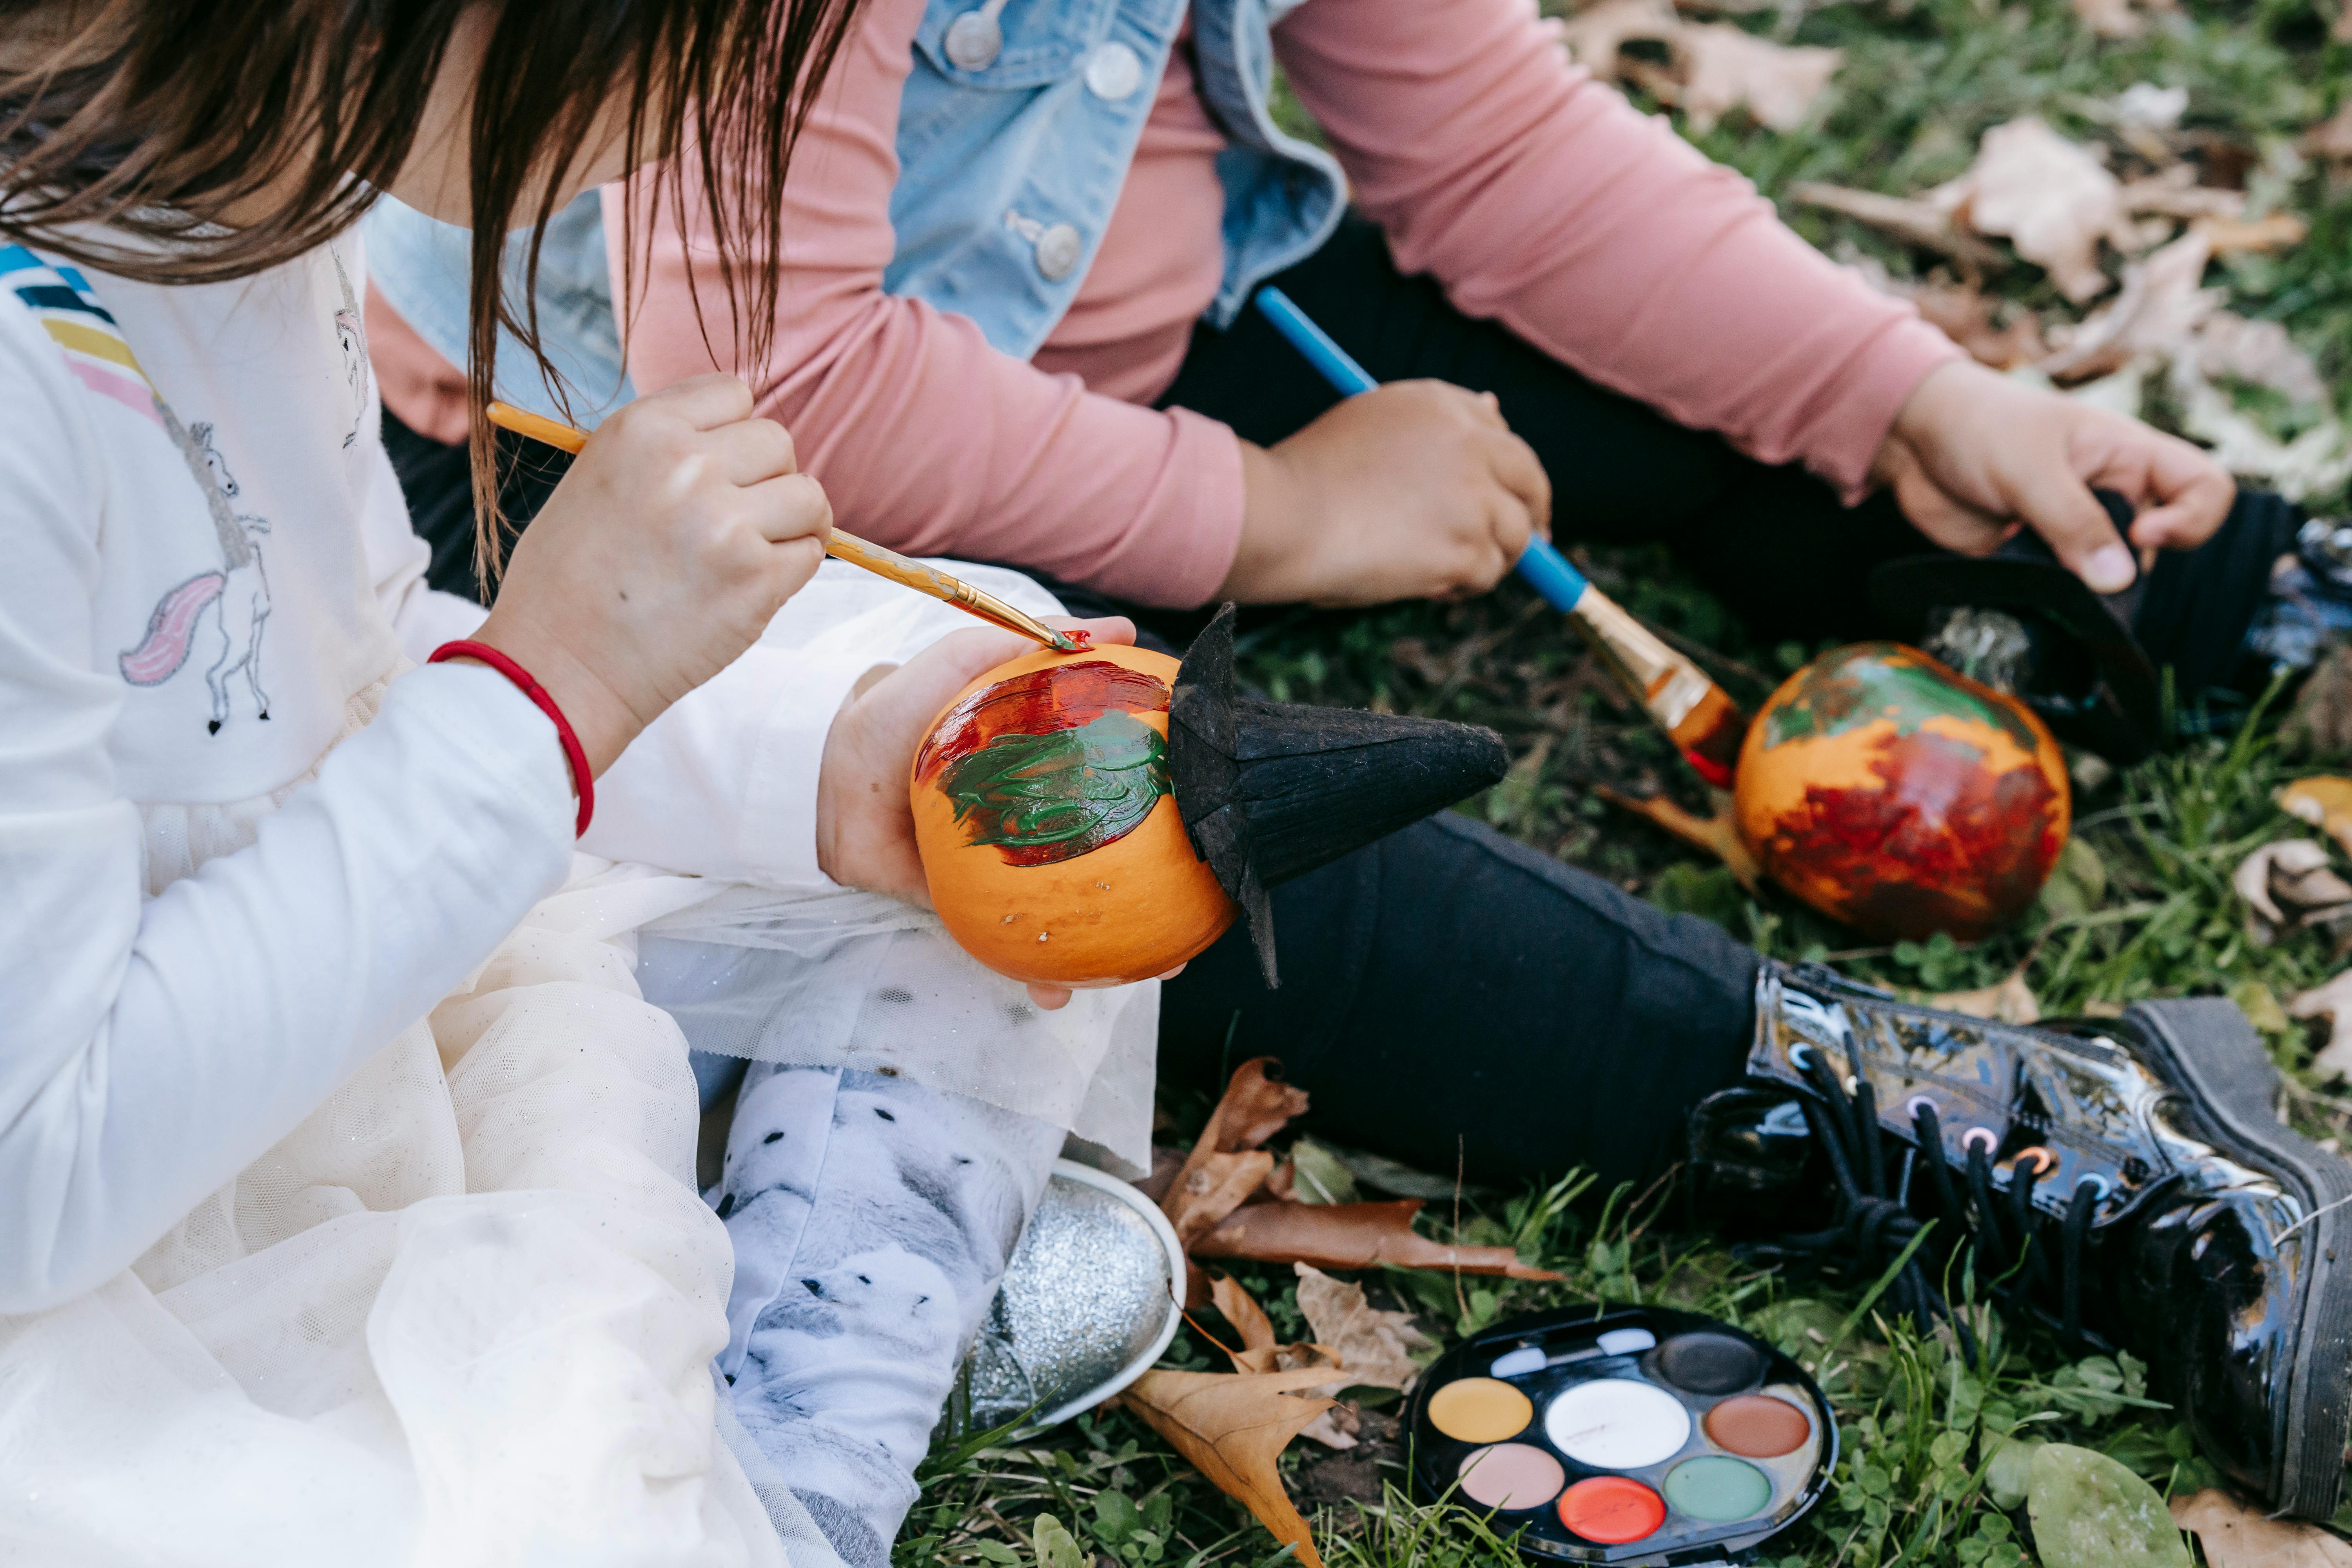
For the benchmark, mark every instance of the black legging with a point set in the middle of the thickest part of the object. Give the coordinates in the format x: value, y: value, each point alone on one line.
x: 1448, y: 993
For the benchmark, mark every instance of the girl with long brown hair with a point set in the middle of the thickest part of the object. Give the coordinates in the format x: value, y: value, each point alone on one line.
x: 350, y: 1213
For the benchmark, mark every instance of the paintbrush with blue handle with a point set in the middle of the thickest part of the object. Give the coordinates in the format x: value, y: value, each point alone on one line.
x: 1705, y: 725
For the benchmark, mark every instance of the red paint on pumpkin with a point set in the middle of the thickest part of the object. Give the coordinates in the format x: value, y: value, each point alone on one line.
x: 1896, y: 795
x: 1060, y: 696
x: 1940, y: 821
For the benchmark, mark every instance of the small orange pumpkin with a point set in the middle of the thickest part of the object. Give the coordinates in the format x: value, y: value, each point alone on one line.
x: 1048, y: 827
x: 1899, y: 795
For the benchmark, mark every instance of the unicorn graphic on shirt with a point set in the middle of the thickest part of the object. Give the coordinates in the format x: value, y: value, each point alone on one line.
x: 224, y: 610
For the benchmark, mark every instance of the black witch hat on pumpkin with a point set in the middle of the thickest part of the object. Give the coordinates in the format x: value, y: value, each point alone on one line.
x: 1269, y: 791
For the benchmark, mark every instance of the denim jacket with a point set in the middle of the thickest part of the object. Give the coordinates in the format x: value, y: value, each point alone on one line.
x: 1018, y: 121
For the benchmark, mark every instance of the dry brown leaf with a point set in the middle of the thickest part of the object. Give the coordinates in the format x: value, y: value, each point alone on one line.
x: 1242, y: 1311
x: 1966, y: 317
x: 2316, y: 463
x: 2009, y: 1002
x: 1282, y: 1182
x: 2258, y: 352
x: 2325, y: 801
x: 2331, y: 1000
x: 1923, y: 224
x: 2237, y: 1536
x: 1350, y: 1236
x: 2110, y: 18
x: 1289, y: 1358
x: 1594, y: 36
x: 1373, y: 1345
x: 1233, y: 1426
x: 2162, y: 304
x: 1211, y: 1186
x: 1336, y: 1427
x: 1223, y: 1168
x: 2051, y: 198
x: 1717, y: 67
x: 1254, y: 1108
x: 2289, y: 883
x: 1717, y: 835
x: 2279, y: 231
x: 2175, y: 193
x: 2332, y: 137
x: 1227, y: 1166
x: 1352, y: 1338
x: 1724, y: 68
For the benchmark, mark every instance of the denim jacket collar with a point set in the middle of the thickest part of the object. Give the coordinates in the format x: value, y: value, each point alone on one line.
x: 1017, y: 124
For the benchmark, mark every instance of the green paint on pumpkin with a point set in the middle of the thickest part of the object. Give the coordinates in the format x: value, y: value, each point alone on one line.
x: 1052, y: 797
x: 1870, y: 681
x: 2089, y: 1512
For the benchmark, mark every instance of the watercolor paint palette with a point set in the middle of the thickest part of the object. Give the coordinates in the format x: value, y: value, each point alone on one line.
x: 1625, y: 1436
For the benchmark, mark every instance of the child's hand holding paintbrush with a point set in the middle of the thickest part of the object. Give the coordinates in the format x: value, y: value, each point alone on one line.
x: 749, y: 531
x: 663, y: 556
x: 926, y: 580
x: 1705, y: 725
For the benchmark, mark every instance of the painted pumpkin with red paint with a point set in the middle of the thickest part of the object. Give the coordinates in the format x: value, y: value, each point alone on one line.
x: 1047, y: 823
x: 1900, y: 796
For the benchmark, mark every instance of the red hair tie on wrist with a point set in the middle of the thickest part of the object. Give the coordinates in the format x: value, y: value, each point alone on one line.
x: 582, y: 784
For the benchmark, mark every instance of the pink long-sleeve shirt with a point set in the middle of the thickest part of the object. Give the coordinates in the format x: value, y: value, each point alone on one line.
x: 1537, y: 196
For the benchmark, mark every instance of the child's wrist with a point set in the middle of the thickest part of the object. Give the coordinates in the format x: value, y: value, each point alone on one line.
x: 1275, y: 505
x: 604, y: 722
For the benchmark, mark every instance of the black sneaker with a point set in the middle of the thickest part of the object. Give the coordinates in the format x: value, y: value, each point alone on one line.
x: 2124, y: 1181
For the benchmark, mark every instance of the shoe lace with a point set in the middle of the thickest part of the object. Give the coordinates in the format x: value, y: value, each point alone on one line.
x: 1875, y: 1226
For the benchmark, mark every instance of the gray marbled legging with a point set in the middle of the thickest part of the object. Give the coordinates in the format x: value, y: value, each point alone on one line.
x: 871, y: 1220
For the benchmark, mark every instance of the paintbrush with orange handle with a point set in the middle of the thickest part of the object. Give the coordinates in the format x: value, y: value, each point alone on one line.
x: 841, y: 546
x: 1705, y: 725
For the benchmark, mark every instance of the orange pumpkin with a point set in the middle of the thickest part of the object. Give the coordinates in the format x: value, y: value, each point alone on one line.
x: 1048, y: 828
x: 1896, y: 795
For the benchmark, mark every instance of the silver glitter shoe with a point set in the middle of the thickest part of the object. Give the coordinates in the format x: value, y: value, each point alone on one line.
x: 1089, y: 1303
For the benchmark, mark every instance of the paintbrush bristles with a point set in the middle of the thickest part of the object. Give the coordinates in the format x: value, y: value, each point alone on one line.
x: 1706, y: 725
x: 841, y: 546
x: 1668, y: 684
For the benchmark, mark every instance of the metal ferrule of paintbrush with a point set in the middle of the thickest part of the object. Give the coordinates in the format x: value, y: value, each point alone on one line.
x: 1705, y: 725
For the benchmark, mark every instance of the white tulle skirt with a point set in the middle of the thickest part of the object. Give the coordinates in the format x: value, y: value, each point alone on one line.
x: 463, y: 1314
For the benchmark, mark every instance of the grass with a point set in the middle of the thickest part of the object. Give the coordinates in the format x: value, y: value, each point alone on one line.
x: 2142, y: 906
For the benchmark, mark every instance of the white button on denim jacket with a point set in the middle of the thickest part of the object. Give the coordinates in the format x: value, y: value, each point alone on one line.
x: 1017, y: 123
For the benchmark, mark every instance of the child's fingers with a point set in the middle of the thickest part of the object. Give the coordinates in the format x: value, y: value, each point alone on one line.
x: 2182, y: 524
x: 1518, y: 471
x: 705, y: 402
x: 2195, y: 493
x: 790, y: 506
x: 1944, y: 517
x: 1513, y: 526
x: 750, y: 450
x: 2062, y: 510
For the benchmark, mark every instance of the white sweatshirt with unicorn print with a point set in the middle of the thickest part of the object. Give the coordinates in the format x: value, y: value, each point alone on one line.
x: 209, y: 584
x: 344, y: 1157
